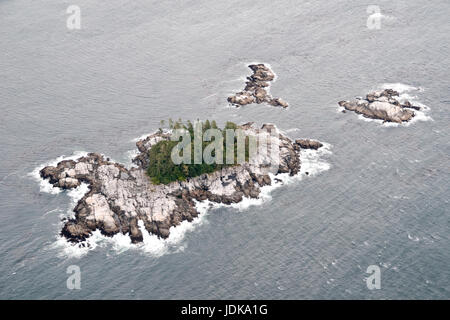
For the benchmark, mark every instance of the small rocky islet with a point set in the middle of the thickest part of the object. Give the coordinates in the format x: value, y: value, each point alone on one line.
x: 119, y: 197
x: 383, y: 105
x: 256, y: 89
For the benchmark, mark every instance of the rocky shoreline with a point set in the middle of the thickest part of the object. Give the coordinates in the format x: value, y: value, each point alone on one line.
x: 256, y: 89
x: 119, y: 197
x: 382, y: 105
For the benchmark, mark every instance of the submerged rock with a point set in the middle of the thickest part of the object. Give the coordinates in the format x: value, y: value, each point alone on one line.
x: 383, y: 105
x: 256, y: 87
x: 119, y: 199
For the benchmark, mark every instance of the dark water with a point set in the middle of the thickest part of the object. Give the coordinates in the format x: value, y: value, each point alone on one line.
x: 384, y: 201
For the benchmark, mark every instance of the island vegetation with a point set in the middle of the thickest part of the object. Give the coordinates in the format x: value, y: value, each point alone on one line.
x: 162, y: 170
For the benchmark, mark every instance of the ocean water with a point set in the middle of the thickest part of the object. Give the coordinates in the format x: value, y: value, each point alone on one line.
x: 379, y: 195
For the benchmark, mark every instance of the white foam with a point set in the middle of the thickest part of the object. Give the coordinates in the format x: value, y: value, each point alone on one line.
x: 174, y: 243
x: 129, y: 156
x: 312, y: 161
x: 406, y: 92
x: 44, y: 185
x: 119, y: 243
x: 400, y: 87
x: 340, y: 109
x: 263, y: 197
x: 70, y: 250
x: 76, y: 195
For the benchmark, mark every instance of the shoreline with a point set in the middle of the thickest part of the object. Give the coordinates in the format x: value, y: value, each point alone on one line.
x: 405, y: 110
x: 312, y: 163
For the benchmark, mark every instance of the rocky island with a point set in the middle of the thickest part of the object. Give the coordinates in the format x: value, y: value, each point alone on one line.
x: 256, y: 89
x: 124, y: 200
x: 382, y: 105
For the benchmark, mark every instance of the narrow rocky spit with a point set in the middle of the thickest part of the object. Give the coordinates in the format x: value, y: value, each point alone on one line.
x: 119, y: 197
x: 383, y: 105
x: 256, y: 88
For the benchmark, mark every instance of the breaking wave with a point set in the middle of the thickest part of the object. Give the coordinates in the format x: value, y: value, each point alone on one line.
x: 406, y: 92
x: 44, y: 185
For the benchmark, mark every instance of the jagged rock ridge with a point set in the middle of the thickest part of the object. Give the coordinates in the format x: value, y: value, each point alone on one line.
x: 256, y: 88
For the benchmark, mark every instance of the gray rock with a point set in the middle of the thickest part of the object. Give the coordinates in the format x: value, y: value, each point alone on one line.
x: 255, y: 90
x: 308, y: 144
x: 382, y: 105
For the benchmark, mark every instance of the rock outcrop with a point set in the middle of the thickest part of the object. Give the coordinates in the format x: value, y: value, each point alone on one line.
x: 120, y: 197
x: 383, y: 105
x: 308, y: 144
x: 256, y: 89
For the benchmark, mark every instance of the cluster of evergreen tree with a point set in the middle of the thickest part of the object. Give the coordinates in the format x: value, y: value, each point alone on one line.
x: 163, y: 170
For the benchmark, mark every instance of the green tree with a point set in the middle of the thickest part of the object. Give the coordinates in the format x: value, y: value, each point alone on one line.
x: 161, y: 168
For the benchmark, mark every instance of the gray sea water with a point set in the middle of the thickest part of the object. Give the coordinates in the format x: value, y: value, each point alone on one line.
x: 383, y: 201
